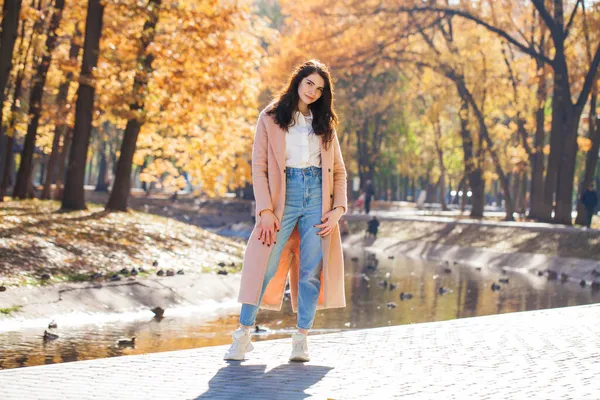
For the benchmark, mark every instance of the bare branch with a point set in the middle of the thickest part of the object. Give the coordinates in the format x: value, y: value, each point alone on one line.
x: 464, y: 14
x: 447, y: 11
x: 541, y: 7
x: 589, y: 80
x: 511, y: 74
x: 523, y: 133
x: 571, y: 18
x: 429, y: 42
x: 586, y: 33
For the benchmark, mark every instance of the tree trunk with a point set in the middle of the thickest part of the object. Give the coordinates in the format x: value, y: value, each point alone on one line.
x: 61, y: 127
x: 477, y: 193
x: 536, y: 210
x: 467, y: 97
x: 522, y: 196
x: 122, y: 185
x: 8, y: 160
x: 89, y: 167
x: 563, y: 136
x: 11, y: 11
x: 7, y: 165
x: 472, y: 170
x: 102, y: 182
x: 51, y: 164
x: 440, y: 157
x: 566, y: 170
x: 74, y: 196
x: 591, y: 159
x: 519, y: 185
x: 35, y: 103
x: 62, y: 159
x: 560, y: 107
x: 463, y: 199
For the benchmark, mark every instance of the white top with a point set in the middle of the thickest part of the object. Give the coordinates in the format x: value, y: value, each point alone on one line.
x: 302, y: 145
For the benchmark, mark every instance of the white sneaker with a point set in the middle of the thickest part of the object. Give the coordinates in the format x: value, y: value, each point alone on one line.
x: 242, y: 343
x: 299, y: 348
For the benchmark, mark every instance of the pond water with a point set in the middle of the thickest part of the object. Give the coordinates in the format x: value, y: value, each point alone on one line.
x: 469, y: 294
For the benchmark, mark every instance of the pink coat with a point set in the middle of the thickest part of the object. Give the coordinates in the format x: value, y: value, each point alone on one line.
x: 268, y: 175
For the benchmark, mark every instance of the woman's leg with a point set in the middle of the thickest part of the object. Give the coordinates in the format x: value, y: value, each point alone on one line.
x: 293, y: 208
x: 288, y: 221
x: 311, y: 255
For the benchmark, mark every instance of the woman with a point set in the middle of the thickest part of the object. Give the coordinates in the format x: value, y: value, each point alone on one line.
x: 299, y: 182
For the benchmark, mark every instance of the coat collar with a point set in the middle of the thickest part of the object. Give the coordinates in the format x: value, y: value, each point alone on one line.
x: 276, y: 138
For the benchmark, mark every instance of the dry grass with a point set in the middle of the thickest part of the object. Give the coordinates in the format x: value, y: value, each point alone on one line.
x: 37, y: 238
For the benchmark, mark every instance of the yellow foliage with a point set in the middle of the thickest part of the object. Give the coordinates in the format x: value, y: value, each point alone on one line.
x: 200, y: 100
x: 584, y: 144
x: 546, y: 149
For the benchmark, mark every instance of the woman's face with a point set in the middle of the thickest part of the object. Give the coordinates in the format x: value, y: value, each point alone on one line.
x: 311, y: 88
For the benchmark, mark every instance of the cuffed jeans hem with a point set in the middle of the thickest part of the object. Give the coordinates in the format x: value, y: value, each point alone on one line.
x: 245, y: 323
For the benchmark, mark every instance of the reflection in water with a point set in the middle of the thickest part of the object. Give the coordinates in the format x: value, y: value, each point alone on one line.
x: 470, y: 295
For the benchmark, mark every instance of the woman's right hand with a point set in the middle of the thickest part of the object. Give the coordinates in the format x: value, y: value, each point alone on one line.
x: 269, y: 226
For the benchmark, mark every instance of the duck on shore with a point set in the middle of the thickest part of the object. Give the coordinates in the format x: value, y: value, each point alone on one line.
x: 158, y: 312
x: 126, y: 342
x: 258, y: 329
x: 49, y: 336
x: 405, y: 296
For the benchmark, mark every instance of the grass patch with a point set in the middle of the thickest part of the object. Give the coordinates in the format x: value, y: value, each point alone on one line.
x: 10, y: 310
x: 78, y: 277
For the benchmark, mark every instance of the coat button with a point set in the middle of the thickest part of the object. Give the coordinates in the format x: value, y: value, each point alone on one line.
x: 331, y: 196
x: 284, y: 170
x: 329, y: 169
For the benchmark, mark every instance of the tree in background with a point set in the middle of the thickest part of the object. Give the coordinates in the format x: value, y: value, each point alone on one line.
x: 11, y: 10
x: 73, y: 196
x: 120, y: 190
x: 35, y: 102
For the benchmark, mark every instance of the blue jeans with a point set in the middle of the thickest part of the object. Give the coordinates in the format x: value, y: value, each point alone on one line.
x: 303, y: 206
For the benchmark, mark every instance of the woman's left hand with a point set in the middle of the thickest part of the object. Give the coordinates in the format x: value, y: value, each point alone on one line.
x: 329, y: 221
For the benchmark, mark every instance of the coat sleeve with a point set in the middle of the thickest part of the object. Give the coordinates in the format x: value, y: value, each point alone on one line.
x: 340, y: 198
x: 260, y: 180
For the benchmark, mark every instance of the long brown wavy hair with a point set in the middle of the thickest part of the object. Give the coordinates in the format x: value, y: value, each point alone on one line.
x: 286, y: 103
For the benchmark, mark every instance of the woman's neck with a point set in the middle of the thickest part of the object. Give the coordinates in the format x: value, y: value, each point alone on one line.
x: 303, y: 108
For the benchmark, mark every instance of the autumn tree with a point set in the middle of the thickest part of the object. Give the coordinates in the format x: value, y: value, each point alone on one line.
x: 62, y: 129
x: 568, y: 98
x: 11, y: 11
x: 73, y: 196
x: 120, y: 191
x: 22, y: 56
x: 35, y: 102
x: 201, y: 97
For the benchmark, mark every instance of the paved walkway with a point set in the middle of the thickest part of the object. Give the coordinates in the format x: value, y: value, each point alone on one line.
x: 549, y: 354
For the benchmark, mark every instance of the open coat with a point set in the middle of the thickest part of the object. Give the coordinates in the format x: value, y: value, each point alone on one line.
x: 269, y: 181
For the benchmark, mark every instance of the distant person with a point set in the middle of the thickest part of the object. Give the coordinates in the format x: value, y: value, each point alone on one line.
x: 589, y: 199
x: 300, y: 190
x: 373, y: 227
x: 369, y: 193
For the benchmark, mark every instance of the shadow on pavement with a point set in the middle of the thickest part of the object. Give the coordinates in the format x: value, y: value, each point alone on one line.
x: 287, y: 381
